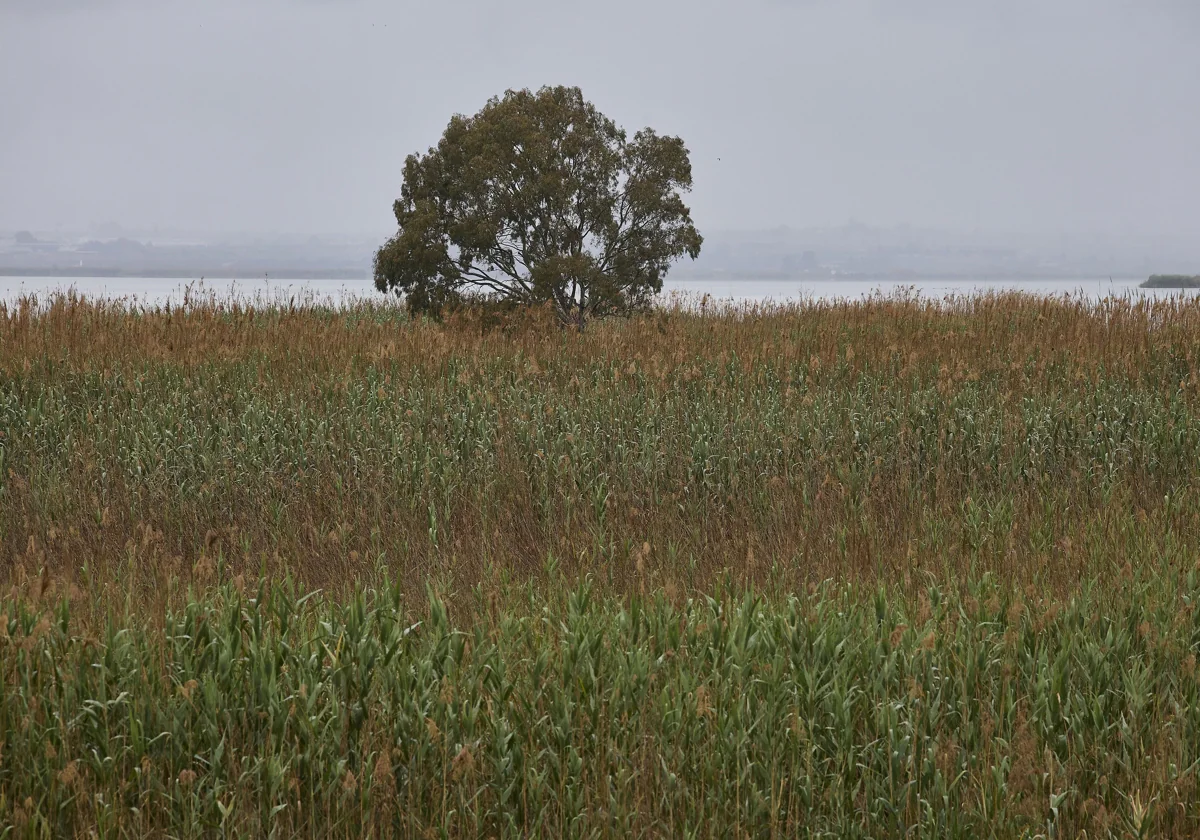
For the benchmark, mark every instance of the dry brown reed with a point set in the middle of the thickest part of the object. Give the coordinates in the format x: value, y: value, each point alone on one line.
x: 897, y: 437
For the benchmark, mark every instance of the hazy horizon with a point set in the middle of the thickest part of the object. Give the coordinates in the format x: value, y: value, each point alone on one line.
x: 1066, y: 118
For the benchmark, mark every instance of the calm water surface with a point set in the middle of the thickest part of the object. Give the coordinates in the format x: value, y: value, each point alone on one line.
x: 151, y: 291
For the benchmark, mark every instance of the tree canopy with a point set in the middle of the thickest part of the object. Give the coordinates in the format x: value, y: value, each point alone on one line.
x: 540, y: 199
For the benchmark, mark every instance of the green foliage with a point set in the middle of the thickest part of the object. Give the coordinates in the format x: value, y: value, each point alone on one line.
x: 840, y: 713
x: 540, y: 198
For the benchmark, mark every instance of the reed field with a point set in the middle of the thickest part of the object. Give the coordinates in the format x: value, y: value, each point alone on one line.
x: 895, y: 568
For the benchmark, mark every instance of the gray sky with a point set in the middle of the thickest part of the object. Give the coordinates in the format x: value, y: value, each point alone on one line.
x: 296, y: 115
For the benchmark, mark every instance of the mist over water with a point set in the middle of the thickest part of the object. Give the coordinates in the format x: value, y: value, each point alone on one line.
x: 1035, y: 118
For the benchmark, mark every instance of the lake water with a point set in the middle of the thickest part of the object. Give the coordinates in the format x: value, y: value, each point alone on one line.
x: 151, y: 291
x: 784, y: 290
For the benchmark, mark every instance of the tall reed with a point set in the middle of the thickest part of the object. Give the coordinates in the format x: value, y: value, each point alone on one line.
x: 1040, y: 439
x: 840, y: 712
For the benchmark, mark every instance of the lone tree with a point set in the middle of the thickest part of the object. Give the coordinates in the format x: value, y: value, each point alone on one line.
x: 539, y: 198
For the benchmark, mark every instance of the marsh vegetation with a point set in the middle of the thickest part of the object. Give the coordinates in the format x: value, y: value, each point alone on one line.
x: 828, y: 569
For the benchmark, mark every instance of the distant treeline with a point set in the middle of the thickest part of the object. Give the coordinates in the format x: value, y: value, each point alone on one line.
x: 1172, y: 281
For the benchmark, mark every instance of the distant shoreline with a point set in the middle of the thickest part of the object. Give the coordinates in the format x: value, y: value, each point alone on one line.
x: 685, y: 275
x: 1172, y: 281
x: 191, y: 274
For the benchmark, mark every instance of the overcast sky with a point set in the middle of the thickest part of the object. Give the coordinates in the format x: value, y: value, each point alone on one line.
x: 296, y: 115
